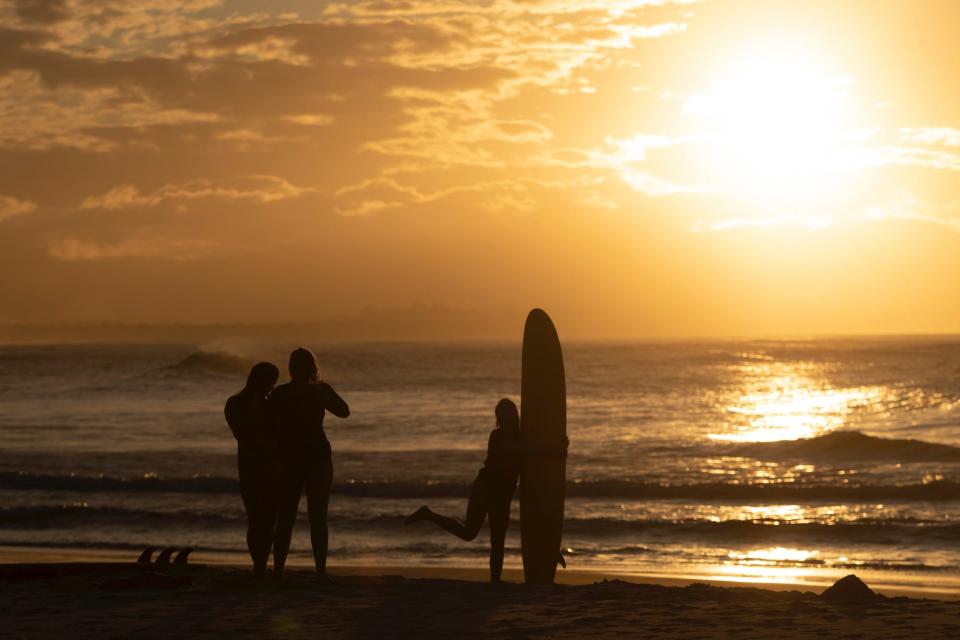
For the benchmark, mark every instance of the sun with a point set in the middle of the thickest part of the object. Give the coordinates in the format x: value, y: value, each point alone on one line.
x: 774, y: 126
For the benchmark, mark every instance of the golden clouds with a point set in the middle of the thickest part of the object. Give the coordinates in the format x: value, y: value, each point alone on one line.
x: 77, y: 249
x: 12, y: 207
x: 257, y: 188
x: 407, y: 146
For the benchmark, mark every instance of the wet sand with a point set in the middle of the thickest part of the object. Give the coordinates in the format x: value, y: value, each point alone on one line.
x: 212, y: 600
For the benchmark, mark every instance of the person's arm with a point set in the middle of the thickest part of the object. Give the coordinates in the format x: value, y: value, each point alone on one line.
x: 510, y: 446
x: 237, y: 419
x: 270, y: 415
x: 491, y: 444
x: 332, y: 402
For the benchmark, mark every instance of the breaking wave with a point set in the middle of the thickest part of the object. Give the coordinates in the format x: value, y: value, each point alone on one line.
x: 849, y: 446
x: 892, y: 531
x: 207, y: 363
x: 937, y: 490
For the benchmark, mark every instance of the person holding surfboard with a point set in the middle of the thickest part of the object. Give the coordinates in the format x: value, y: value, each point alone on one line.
x: 492, y: 490
x: 246, y: 414
x: 296, y: 412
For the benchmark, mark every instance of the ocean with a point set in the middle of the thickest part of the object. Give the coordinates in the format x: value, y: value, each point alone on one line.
x: 777, y: 461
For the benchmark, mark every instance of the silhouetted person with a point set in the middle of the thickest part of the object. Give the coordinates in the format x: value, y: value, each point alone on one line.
x: 246, y: 414
x: 492, y: 490
x: 296, y: 412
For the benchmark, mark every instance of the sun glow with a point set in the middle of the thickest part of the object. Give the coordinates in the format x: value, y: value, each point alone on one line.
x: 774, y: 127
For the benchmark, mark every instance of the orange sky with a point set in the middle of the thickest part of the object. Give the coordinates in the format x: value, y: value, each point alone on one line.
x: 637, y: 168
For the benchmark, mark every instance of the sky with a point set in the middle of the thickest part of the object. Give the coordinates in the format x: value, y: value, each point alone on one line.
x: 638, y: 168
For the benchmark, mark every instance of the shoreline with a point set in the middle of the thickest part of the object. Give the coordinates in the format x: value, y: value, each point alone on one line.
x: 126, y: 600
x: 14, y: 555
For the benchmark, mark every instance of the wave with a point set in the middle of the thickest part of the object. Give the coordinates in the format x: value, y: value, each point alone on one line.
x: 44, y: 516
x: 206, y: 363
x: 849, y: 446
x: 935, y: 491
x: 874, y: 532
x: 418, y: 551
x: 135, y: 547
x: 939, y: 490
x: 148, y: 483
x: 883, y: 532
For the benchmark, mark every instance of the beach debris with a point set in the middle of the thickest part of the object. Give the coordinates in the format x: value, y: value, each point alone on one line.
x: 148, y: 580
x: 849, y: 589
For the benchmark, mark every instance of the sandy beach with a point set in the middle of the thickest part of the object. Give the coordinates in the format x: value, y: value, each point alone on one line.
x: 52, y: 599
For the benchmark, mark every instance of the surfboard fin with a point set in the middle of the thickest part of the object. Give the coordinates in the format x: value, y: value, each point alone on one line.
x: 182, y: 556
x: 164, y: 557
x: 145, y: 556
x: 561, y: 560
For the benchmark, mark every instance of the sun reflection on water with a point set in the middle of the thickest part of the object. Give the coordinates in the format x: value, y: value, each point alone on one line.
x: 770, y: 565
x: 789, y: 401
x: 774, y: 556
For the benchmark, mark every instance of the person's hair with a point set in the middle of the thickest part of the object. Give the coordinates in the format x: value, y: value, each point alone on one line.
x: 303, y: 364
x: 262, y: 377
x: 507, y: 414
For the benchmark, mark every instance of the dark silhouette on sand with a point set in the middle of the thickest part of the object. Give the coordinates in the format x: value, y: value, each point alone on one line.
x: 296, y: 411
x: 246, y: 413
x: 492, y: 490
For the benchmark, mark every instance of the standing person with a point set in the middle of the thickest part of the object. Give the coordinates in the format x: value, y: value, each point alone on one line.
x: 296, y: 413
x: 246, y: 414
x: 492, y: 490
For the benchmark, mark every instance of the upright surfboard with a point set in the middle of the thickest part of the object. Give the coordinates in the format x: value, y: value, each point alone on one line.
x: 543, y: 426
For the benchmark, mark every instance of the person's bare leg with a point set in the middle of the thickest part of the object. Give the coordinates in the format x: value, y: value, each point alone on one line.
x: 253, y: 544
x: 319, y: 483
x: 476, y: 512
x: 252, y: 505
x: 499, y: 521
x: 288, y: 503
x: 418, y: 515
x: 265, y: 525
x: 465, y: 531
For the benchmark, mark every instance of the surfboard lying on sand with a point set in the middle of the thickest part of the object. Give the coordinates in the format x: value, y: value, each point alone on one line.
x: 543, y: 426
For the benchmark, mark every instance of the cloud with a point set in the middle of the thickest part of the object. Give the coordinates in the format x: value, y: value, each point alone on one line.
x: 900, y: 206
x: 378, y: 194
x: 383, y: 192
x: 72, y: 249
x: 653, y: 185
x: 310, y: 119
x: 12, y: 207
x: 509, y: 195
x: 810, y: 222
x: 258, y: 188
x: 629, y: 159
x: 318, y: 41
x: 932, y: 136
x: 41, y: 11
x: 907, y: 207
x: 915, y: 156
x: 38, y: 117
x: 442, y: 67
x: 386, y: 94
x: 111, y: 26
